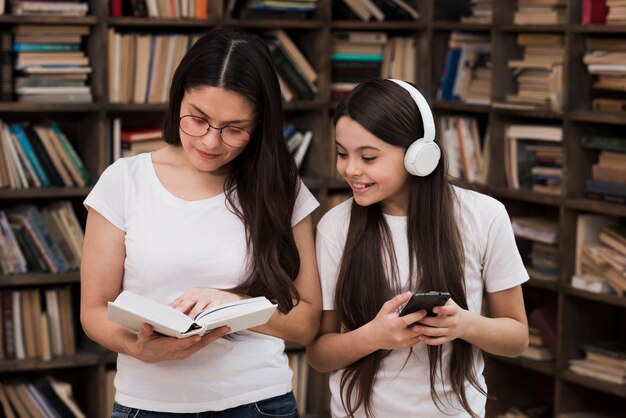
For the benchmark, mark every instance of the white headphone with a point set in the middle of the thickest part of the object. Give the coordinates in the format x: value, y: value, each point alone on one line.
x: 423, y: 154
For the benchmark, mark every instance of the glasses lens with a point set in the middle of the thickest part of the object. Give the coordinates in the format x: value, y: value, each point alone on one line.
x: 194, y: 126
x: 235, y: 137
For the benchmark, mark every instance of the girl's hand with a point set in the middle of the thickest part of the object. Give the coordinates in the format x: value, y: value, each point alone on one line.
x: 194, y: 300
x: 152, y: 347
x: 445, y: 327
x: 390, y: 331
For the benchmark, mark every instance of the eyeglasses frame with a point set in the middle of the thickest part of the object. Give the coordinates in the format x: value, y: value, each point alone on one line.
x: 214, y: 128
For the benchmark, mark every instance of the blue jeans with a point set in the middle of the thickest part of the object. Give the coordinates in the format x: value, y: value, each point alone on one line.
x: 283, y: 406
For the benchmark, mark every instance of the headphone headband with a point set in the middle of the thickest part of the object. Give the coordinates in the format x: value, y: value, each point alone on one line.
x: 422, y: 106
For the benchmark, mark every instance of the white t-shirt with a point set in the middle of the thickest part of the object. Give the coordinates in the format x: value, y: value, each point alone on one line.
x: 492, y: 262
x: 173, y: 245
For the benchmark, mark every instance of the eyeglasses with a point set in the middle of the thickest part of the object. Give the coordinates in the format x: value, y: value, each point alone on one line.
x: 197, y: 127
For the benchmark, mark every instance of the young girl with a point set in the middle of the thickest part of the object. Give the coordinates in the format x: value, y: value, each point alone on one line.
x: 218, y: 214
x: 407, y: 229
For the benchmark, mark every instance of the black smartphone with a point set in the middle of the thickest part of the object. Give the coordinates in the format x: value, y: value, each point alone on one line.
x: 425, y: 301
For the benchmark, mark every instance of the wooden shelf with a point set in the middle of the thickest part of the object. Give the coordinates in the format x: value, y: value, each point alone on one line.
x: 66, y: 362
x: 599, y: 385
x: 39, y: 279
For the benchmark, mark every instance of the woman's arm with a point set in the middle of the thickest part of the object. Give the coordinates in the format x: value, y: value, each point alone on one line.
x: 504, y: 333
x: 332, y: 350
x: 301, y: 324
x: 102, y: 268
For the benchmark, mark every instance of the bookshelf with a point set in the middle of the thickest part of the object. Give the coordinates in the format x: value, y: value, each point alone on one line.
x: 581, y: 315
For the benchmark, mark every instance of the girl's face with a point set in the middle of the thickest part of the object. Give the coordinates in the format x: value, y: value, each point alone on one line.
x: 373, y: 168
x: 220, y: 108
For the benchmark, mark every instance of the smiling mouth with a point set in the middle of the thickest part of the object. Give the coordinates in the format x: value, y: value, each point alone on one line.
x: 361, y: 186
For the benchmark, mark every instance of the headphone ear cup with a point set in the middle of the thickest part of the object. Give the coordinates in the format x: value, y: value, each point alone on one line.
x: 422, y: 157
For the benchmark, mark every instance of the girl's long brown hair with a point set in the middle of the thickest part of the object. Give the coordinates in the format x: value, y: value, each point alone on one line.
x: 262, y: 185
x: 368, y: 271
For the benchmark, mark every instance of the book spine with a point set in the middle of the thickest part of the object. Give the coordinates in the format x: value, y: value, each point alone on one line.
x: 67, y: 146
x: 43, y: 156
x: 17, y: 130
x: 290, y: 74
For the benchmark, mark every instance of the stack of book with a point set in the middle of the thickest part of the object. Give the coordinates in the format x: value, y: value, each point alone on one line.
x: 537, y: 348
x: 539, y: 73
x: 534, y: 158
x: 543, y: 324
x: 467, y: 71
x: 194, y: 9
x: 604, y: 360
x: 38, y: 323
x: 608, y: 178
x: 543, y: 264
x: 278, y: 9
x: 540, y: 12
x: 356, y: 56
x: 37, y: 398
x: 600, y: 255
x: 617, y: 12
x: 132, y: 141
x: 462, y: 144
x: 141, y: 65
x: 49, y: 239
x: 298, y: 141
x: 38, y: 155
x: 606, y: 62
x: 482, y: 12
x: 537, y: 229
x: 50, y: 66
x: 68, y: 8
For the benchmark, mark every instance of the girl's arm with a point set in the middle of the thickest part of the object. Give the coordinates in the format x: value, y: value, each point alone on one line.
x: 301, y: 324
x: 504, y: 333
x: 101, y: 271
x: 332, y: 350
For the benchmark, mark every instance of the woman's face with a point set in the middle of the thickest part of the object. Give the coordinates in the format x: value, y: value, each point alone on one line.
x: 373, y: 168
x: 220, y: 108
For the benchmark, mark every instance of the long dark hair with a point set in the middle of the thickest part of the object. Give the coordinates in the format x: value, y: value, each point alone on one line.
x: 262, y: 185
x: 368, y: 271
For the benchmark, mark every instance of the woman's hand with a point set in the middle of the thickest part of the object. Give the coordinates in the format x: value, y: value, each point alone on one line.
x: 445, y: 327
x: 152, y: 347
x: 195, y: 300
x: 391, y: 331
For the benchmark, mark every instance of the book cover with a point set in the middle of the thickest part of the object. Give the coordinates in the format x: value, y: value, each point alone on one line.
x: 132, y: 310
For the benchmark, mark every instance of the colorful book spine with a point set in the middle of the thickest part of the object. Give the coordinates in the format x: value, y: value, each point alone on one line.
x: 16, y: 129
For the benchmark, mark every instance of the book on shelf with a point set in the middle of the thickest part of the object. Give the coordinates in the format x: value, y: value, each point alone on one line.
x: 467, y: 69
x: 538, y: 229
x: 287, y: 69
x: 593, y: 12
x: 294, y: 54
x: 544, y: 320
x: 48, y: 8
x: 537, y: 349
x: 543, y: 264
x: 462, y: 142
x: 481, y: 13
x: 598, y: 371
x: 534, y: 158
x: 538, y: 74
x: 537, y: 353
x: 544, y: 13
x: 132, y: 311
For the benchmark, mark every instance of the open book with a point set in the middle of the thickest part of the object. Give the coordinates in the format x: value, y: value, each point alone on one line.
x: 132, y: 311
